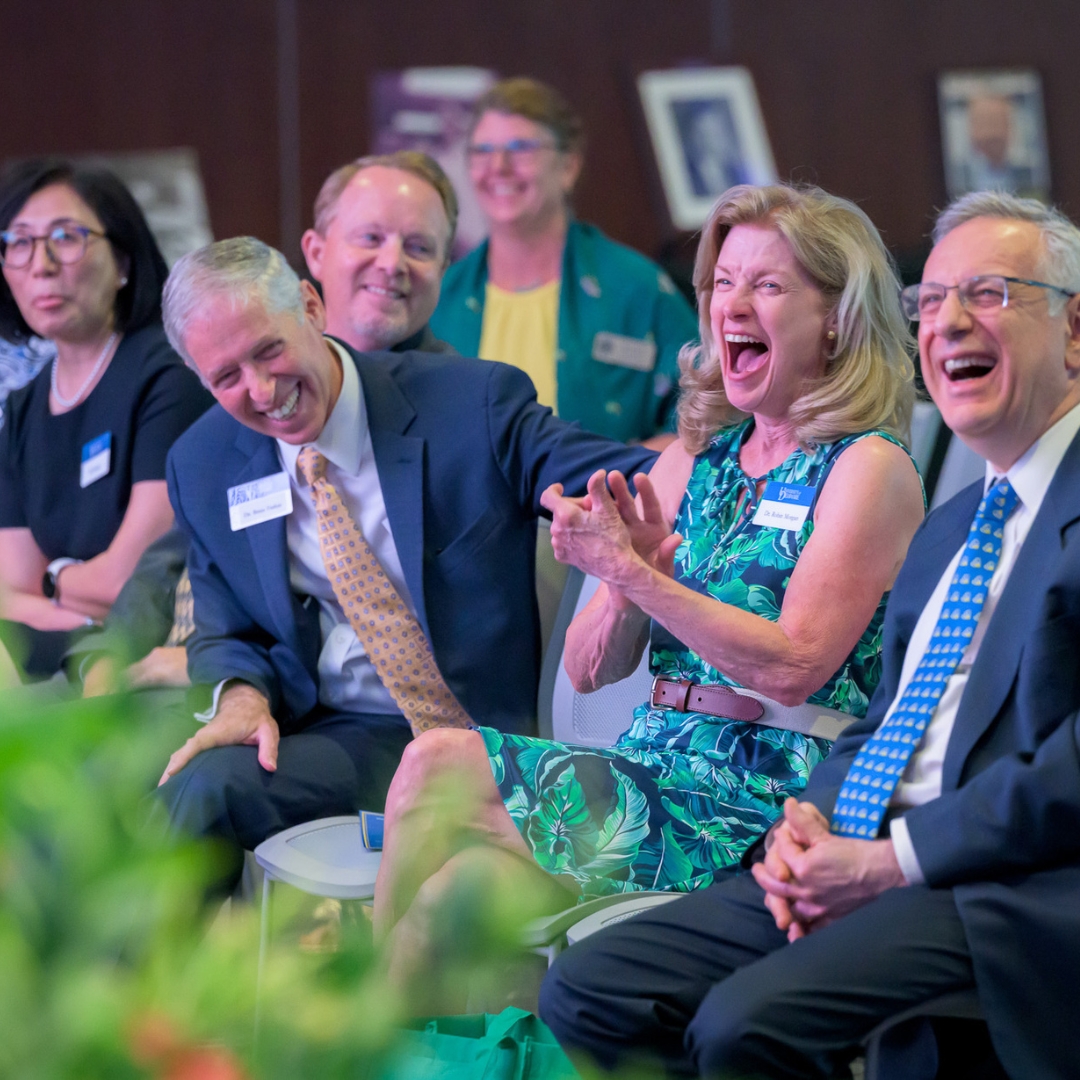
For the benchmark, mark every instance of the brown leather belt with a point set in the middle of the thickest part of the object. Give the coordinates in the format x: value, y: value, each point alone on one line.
x: 686, y: 696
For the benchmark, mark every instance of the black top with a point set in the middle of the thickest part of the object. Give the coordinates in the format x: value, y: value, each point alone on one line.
x: 144, y: 400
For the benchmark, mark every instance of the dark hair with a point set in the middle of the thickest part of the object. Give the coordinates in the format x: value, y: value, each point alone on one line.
x: 538, y: 102
x: 138, y: 303
x: 411, y: 161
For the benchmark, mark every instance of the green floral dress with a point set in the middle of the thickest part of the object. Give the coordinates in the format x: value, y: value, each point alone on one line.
x: 681, y: 796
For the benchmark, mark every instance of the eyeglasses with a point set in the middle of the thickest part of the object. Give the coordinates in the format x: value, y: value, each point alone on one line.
x: 517, y: 150
x: 983, y: 293
x: 64, y: 243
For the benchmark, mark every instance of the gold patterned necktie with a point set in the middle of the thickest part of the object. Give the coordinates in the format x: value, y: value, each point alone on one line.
x: 183, y: 612
x: 388, y: 630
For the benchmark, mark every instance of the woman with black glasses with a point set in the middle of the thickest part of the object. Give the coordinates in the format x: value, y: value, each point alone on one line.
x: 82, y: 450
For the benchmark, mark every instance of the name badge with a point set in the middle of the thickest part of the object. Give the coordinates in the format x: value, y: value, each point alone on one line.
x: 96, y: 459
x: 784, y: 506
x: 259, y: 500
x: 623, y: 351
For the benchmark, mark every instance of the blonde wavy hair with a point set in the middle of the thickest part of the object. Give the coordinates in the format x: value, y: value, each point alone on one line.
x: 869, y: 375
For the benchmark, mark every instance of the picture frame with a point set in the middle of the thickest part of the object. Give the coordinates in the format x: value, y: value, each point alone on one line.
x: 707, y: 134
x: 167, y: 184
x: 993, y: 132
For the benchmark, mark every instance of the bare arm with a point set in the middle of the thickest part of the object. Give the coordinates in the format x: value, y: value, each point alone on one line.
x: 605, y: 641
x: 864, y: 520
x: 22, y: 566
x: 91, y: 587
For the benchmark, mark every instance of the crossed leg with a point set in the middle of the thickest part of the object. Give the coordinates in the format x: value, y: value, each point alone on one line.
x: 448, y: 839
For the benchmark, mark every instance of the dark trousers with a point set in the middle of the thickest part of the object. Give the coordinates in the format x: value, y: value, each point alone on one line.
x: 38, y: 654
x: 341, y: 763
x: 708, y: 985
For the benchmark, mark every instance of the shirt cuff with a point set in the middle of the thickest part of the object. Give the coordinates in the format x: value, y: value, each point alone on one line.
x: 905, y: 852
x: 209, y: 713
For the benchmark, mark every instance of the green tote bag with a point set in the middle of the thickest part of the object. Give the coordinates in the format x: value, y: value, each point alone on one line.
x: 514, y: 1045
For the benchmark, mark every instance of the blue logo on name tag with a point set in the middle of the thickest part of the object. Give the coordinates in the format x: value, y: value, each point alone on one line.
x: 97, y: 446
x: 790, y: 494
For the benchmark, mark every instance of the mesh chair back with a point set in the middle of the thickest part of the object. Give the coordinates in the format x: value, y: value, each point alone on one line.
x: 595, y: 719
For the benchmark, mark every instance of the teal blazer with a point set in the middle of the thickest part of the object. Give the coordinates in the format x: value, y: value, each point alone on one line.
x: 609, y: 293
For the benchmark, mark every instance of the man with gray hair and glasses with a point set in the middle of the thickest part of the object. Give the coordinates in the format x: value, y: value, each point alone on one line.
x: 937, y: 848
x: 362, y: 534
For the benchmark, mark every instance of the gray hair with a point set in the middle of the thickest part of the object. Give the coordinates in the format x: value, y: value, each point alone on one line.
x: 1060, y: 263
x: 244, y: 269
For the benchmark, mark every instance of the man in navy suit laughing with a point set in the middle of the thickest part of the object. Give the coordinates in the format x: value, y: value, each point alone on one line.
x: 439, y: 462
x: 937, y: 848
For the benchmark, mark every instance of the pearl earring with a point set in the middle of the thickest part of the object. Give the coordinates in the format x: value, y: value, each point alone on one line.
x: 123, y: 282
x: 831, y: 335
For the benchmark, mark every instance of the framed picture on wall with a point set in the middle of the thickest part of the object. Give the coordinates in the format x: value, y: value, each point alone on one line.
x: 993, y: 132
x: 707, y: 134
x: 167, y: 185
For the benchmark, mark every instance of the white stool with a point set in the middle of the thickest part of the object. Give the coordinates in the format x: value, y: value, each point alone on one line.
x: 326, y: 857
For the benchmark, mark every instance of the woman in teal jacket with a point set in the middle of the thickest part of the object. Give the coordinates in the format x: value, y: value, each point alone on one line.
x: 596, y: 325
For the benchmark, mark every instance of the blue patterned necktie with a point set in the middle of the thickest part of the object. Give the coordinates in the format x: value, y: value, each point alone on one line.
x: 878, y: 766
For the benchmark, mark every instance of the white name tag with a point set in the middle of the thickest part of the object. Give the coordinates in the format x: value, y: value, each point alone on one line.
x: 96, y: 459
x: 784, y: 506
x: 623, y: 351
x: 259, y: 500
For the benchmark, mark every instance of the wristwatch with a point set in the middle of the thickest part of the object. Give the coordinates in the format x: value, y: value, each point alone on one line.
x: 49, y: 582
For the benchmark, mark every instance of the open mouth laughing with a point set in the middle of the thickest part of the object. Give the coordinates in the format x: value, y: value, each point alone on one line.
x: 962, y: 368
x: 287, y: 407
x: 745, y: 353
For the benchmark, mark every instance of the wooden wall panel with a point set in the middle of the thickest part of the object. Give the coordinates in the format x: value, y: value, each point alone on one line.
x: 850, y: 96
x: 848, y: 88
x: 119, y: 75
x: 590, y: 51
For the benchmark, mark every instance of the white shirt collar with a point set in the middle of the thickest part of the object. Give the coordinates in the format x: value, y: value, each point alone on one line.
x: 342, y: 438
x: 1031, y: 474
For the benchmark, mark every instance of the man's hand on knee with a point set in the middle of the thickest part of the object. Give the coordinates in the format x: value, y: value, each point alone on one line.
x: 243, y: 719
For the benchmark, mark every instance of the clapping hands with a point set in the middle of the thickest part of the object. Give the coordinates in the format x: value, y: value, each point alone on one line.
x: 606, y: 534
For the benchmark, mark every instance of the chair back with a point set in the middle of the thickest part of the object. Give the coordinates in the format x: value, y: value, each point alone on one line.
x: 595, y: 719
x: 961, y: 467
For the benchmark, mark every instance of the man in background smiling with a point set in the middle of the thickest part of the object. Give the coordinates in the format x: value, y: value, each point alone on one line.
x: 384, y: 226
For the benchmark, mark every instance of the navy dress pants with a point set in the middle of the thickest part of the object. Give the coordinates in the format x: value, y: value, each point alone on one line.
x: 341, y: 763
x: 707, y: 985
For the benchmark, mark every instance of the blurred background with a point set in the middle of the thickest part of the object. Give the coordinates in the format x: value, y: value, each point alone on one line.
x: 273, y: 94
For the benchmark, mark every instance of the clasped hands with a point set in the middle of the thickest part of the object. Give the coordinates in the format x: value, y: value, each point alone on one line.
x: 812, y: 877
x: 604, y: 534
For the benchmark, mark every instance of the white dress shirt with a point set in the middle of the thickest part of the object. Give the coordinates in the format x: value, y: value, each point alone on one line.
x: 347, y: 678
x: 1030, y: 477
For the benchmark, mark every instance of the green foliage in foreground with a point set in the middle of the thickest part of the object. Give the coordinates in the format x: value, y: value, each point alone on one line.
x: 113, y: 966
x: 111, y: 963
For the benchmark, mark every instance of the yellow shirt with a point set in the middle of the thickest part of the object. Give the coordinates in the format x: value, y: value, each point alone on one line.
x: 522, y: 328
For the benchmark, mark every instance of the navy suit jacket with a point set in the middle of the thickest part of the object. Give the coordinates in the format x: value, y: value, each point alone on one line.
x: 1005, y: 832
x: 463, y: 452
